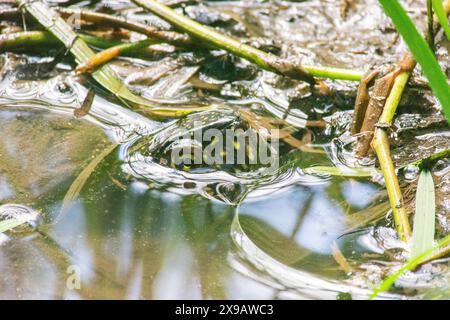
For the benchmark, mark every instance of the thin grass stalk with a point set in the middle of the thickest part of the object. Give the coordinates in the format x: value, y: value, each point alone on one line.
x: 343, y: 172
x: 264, y: 60
x: 433, y: 158
x: 37, y: 39
x: 80, y: 181
x: 102, y: 19
x: 441, y: 16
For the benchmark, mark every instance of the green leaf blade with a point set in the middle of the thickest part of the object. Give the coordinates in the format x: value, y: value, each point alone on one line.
x: 425, y: 216
x: 442, y: 17
x: 421, y: 51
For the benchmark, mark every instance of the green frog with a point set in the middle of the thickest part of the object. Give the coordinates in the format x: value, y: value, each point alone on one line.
x: 225, y: 138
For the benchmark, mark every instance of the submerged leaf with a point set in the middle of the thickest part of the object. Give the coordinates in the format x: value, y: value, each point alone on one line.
x: 424, y: 218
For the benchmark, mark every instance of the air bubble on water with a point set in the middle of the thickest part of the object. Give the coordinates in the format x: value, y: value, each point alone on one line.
x: 27, y: 215
x: 411, y: 173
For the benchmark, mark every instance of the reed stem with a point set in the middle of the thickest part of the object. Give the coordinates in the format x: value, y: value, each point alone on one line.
x: 380, y: 144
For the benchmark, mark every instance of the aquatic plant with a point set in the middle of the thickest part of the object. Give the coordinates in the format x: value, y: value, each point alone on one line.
x: 421, y: 51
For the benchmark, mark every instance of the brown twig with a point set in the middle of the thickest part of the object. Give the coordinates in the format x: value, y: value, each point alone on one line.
x: 171, y: 37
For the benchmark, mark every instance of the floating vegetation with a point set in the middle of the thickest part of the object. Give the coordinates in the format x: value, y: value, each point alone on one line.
x: 262, y: 59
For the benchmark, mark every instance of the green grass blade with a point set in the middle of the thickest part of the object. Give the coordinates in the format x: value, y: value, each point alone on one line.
x: 442, y: 17
x: 10, y: 224
x: 425, y: 216
x: 421, y: 51
x: 410, y: 265
x: 105, y: 76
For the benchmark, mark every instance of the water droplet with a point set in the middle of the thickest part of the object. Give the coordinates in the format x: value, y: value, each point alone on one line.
x: 27, y: 215
x: 410, y: 172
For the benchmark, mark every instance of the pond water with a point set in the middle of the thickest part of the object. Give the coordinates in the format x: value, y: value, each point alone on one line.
x: 132, y: 227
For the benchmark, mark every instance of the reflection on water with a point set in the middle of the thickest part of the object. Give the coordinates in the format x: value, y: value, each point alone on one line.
x: 132, y: 235
x: 131, y: 239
